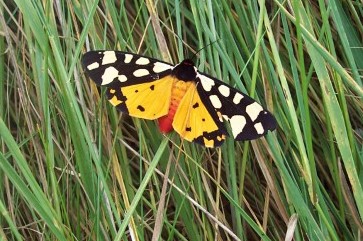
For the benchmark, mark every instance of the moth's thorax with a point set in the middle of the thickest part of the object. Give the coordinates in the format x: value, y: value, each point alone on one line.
x: 180, y: 87
x: 185, y: 70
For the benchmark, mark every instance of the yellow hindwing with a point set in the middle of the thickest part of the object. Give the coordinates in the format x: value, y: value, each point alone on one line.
x: 193, y: 121
x: 149, y: 100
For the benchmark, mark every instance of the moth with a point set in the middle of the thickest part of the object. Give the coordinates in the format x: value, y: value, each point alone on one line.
x: 180, y: 97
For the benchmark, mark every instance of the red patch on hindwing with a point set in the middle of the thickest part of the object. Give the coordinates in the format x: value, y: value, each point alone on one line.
x: 177, y: 93
x: 166, y: 122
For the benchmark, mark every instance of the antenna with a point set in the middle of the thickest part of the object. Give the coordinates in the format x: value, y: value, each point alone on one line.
x: 194, y: 55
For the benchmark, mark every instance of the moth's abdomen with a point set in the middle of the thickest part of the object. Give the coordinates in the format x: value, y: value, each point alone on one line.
x: 177, y: 93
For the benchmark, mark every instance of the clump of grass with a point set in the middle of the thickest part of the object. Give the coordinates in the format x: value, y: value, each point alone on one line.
x: 73, y: 168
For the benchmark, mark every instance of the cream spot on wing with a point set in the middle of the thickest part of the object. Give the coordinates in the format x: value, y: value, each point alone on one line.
x: 237, y: 98
x: 109, y: 57
x: 253, y: 110
x: 128, y: 58
x: 122, y: 78
x: 225, y: 117
x: 259, y: 128
x: 160, y: 67
x: 109, y: 75
x: 224, y: 90
x: 238, y: 122
x: 95, y: 65
x: 142, y: 61
x: 207, y: 83
x: 220, y: 116
x: 141, y: 72
x: 215, y: 101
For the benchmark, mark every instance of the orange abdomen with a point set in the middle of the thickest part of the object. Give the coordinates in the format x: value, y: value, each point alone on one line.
x: 177, y: 93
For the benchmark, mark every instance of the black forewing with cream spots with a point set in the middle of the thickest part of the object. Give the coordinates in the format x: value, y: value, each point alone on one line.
x: 119, y: 71
x: 122, y: 68
x: 248, y: 119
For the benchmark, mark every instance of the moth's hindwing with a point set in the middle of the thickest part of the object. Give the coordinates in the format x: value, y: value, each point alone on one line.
x: 149, y: 100
x: 248, y: 119
x: 135, y: 84
x: 194, y: 121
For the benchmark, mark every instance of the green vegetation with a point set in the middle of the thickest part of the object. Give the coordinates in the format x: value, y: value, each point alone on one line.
x: 74, y: 168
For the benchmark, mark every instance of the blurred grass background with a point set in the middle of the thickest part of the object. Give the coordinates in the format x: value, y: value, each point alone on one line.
x: 73, y: 168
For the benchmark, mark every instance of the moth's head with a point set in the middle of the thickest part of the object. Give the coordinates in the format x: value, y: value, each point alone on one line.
x: 185, y: 70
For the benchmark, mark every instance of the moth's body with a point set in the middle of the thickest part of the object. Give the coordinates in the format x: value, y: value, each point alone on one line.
x: 183, y: 76
x: 178, y: 90
x: 181, y: 98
